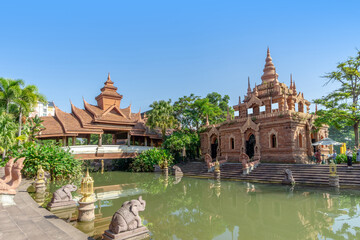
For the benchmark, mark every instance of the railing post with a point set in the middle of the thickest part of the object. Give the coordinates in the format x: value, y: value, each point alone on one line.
x: 100, y: 140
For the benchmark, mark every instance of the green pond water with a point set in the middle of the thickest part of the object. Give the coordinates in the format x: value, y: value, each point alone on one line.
x: 189, y: 208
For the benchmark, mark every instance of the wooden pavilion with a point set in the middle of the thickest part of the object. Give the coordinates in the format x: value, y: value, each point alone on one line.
x: 106, y: 117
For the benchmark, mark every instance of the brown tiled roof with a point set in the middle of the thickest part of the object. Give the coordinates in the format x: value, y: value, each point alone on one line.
x: 71, y: 123
x: 52, y: 126
x: 84, y: 116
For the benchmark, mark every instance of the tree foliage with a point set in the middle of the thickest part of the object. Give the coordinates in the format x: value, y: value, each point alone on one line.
x: 162, y: 116
x: 146, y: 160
x: 180, y: 140
x: 54, y: 159
x: 342, y: 105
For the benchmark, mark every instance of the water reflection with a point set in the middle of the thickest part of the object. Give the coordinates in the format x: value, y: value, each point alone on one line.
x: 186, y: 208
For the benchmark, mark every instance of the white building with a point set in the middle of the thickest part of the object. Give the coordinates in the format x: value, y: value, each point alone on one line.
x: 42, y: 109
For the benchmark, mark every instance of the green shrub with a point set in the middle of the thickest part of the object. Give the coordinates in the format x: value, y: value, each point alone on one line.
x: 146, y: 160
x: 54, y: 159
x: 342, y: 158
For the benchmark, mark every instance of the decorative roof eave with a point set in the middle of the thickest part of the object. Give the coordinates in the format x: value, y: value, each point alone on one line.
x: 250, y: 124
x: 118, y: 110
x: 75, y: 112
x: 59, y: 115
x: 254, y: 101
x: 99, y: 120
x: 88, y: 108
x: 57, y: 135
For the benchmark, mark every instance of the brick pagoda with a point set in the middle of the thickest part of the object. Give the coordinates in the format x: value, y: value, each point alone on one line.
x: 274, y: 124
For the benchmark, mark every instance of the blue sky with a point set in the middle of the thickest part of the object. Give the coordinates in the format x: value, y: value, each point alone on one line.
x: 167, y: 49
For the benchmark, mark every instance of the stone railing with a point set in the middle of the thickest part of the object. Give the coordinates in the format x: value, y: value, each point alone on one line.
x: 93, y: 149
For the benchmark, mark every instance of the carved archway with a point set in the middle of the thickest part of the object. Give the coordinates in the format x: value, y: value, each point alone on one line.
x: 214, y: 143
x: 250, y: 145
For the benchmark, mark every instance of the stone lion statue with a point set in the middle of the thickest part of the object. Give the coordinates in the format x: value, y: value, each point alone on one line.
x: 127, y: 217
x: 288, y: 179
x: 63, y: 194
x: 177, y: 170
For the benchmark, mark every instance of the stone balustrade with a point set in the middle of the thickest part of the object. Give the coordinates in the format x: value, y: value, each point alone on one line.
x: 105, y: 151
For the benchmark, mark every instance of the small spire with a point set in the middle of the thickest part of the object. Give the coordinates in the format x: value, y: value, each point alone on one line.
x: 108, y: 81
x: 239, y: 100
x: 228, y: 114
x: 286, y: 107
x: 249, y: 88
x: 256, y: 90
x: 291, y: 82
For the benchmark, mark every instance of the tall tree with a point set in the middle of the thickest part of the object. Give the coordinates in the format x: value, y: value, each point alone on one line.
x: 27, y: 99
x: 9, y: 91
x: 342, y: 105
x: 162, y: 116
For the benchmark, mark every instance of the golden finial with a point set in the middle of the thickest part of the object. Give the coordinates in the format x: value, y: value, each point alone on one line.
x: 40, y: 175
x: 87, y: 188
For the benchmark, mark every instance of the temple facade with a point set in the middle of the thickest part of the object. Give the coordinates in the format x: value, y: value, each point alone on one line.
x: 107, y: 117
x: 274, y: 124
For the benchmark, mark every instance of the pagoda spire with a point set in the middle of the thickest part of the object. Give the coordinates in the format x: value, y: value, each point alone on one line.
x: 255, y: 90
x: 291, y: 82
x: 249, y: 88
x: 269, y: 69
x: 239, y: 100
x: 108, y: 96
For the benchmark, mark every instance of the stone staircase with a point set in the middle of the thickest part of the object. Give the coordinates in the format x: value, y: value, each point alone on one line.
x: 308, y: 174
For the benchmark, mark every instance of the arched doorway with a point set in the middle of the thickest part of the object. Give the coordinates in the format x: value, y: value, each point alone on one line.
x: 214, y: 146
x: 250, y: 145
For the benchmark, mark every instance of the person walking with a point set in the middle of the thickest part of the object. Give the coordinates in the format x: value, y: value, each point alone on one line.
x: 349, y: 158
x: 334, y: 156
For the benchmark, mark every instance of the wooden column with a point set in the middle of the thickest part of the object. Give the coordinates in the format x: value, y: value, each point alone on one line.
x: 64, y: 141
x: 100, y: 140
x: 88, y: 139
x: 151, y: 142
x: 146, y: 141
x: 133, y: 137
x: 128, y: 139
x: 73, y: 141
x: 113, y: 139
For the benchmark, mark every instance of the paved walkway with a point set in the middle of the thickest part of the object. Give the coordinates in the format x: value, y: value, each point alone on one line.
x: 26, y: 220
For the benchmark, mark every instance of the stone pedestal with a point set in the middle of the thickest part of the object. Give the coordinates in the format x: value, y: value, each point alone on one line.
x: 61, y: 205
x: 40, y: 197
x: 334, y: 181
x: 136, y: 234
x: 40, y: 186
x: 86, y: 211
x: 87, y: 227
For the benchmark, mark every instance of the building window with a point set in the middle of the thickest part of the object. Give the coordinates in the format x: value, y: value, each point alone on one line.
x: 232, y: 143
x: 273, y: 141
x: 300, y: 140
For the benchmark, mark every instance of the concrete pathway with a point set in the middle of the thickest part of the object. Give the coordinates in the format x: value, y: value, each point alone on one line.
x: 27, y: 220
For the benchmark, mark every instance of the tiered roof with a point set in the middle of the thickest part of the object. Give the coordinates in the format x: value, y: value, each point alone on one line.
x: 106, y: 116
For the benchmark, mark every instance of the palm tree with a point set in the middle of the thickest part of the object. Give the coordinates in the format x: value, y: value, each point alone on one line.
x: 26, y: 101
x: 162, y: 116
x: 9, y: 91
x: 7, y: 132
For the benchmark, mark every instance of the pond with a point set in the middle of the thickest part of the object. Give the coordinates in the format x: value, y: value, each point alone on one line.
x: 189, y: 208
